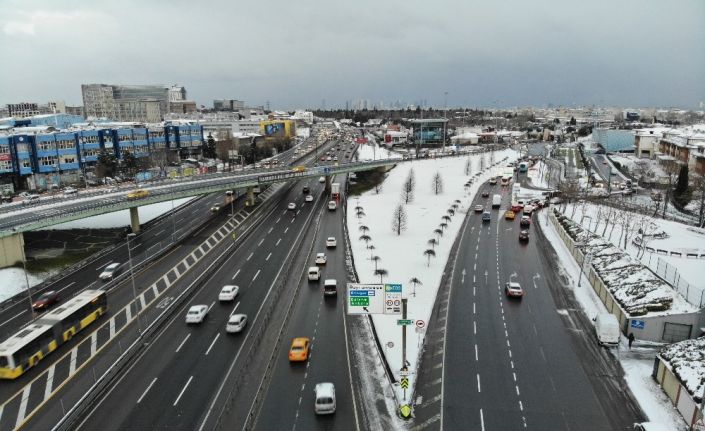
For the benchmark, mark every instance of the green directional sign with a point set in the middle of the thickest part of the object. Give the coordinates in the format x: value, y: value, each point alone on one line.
x: 402, y: 322
x: 360, y: 301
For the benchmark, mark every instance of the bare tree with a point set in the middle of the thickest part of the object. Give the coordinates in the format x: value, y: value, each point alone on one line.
x: 360, y: 214
x: 451, y: 211
x: 699, y: 197
x: 429, y: 253
x: 629, y: 225
x: 607, y: 216
x: 372, y: 250
x: 365, y: 238
x: 364, y: 229
x: 378, y: 187
x: 159, y: 159
x: 375, y: 259
x: 432, y: 242
x: 438, y: 232
x: 672, y: 170
x: 443, y: 225
x: 381, y: 272
x: 437, y: 183
x: 407, y: 189
x: 399, y: 220
x: 482, y: 162
x: 468, y: 166
x: 415, y: 281
x: 446, y: 219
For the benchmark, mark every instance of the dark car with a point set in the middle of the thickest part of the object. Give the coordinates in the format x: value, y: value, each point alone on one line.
x: 306, y: 190
x: 524, y: 236
x: 485, y: 194
x: 525, y: 221
x: 46, y: 300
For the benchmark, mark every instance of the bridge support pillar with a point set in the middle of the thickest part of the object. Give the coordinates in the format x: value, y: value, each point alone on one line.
x: 328, y: 182
x: 250, y: 199
x: 134, y: 219
x: 11, y: 250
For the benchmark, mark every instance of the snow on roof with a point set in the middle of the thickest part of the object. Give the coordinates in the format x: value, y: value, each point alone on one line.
x: 638, y: 290
x: 687, y: 361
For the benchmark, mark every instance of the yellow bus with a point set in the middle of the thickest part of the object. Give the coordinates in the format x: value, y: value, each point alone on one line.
x: 33, y: 342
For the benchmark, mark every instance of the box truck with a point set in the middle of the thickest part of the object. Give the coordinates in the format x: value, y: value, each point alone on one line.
x: 496, y: 201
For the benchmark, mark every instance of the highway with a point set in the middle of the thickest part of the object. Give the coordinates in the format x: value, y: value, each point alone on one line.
x: 518, y: 364
x: 289, y: 400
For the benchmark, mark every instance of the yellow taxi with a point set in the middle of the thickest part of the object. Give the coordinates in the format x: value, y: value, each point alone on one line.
x: 299, y: 169
x: 138, y: 194
x: 298, y: 352
x: 509, y: 215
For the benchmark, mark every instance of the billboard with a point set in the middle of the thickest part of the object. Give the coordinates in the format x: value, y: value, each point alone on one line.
x: 274, y: 129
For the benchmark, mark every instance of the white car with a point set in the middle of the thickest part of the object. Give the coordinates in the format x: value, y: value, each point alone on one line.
x: 321, y: 259
x: 228, y: 293
x: 70, y: 191
x: 236, y: 323
x: 292, y: 206
x: 321, y: 179
x: 331, y: 242
x: 110, y: 271
x: 325, y: 398
x: 196, y: 313
x: 332, y: 205
x: 309, y: 198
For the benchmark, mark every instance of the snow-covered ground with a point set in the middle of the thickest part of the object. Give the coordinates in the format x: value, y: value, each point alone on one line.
x: 637, y: 363
x: 402, y: 256
x: 679, y: 238
x: 12, y: 280
x: 538, y: 174
x: 372, y: 151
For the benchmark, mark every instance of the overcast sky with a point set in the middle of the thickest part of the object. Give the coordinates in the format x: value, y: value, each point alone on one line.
x: 506, y: 53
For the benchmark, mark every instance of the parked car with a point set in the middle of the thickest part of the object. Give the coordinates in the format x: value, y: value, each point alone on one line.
x: 236, y: 323
x: 110, y: 271
x: 46, y: 300
x: 513, y: 290
x: 196, y: 314
x: 607, y: 329
x: 228, y: 293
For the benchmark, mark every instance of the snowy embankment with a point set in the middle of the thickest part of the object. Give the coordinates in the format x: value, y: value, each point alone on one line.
x: 687, y: 360
x: 677, y: 241
x: 420, y: 251
x: 538, y: 174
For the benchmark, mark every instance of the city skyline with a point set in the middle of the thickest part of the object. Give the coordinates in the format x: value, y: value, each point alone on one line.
x: 536, y: 54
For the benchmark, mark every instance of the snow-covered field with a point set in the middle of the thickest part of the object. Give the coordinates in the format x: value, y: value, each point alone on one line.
x: 538, y: 174
x: 402, y: 256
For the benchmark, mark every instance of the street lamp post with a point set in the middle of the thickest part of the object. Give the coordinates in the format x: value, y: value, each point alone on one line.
x: 586, y: 261
x: 83, y: 161
x: 29, y: 289
x: 132, y: 277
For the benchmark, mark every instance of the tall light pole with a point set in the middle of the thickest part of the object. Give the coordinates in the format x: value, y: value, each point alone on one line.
x: 445, y: 114
x: 173, y: 222
x: 83, y: 160
x: 132, y: 277
x: 29, y: 289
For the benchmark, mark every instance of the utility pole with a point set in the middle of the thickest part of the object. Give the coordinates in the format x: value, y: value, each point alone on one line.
x: 403, y: 333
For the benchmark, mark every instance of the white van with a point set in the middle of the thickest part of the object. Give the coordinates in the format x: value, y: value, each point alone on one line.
x: 314, y: 273
x: 325, y: 398
x: 332, y: 205
x: 607, y: 329
x: 330, y: 287
x: 496, y: 201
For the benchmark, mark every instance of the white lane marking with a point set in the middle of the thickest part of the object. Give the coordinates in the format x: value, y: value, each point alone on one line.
x: 182, y: 391
x: 482, y: 420
x: 521, y: 406
x: 478, y: 383
x: 286, y: 230
x: 476, y: 358
x: 100, y: 268
x: 517, y: 388
x: 212, y: 304
x: 13, y: 317
x: 212, y: 343
x: 143, y: 303
x: 235, y: 308
x: 250, y: 256
x: 23, y: 406
x: 474, y: 328
x: 72, y: 363
x: 255, y: 277
x: 268, y: 256
x: 473, y: 308
x: 238, y: 271
x: 279, y: 218
x: 94, y: 342
x: 278, y: 241
x: 146, y: 390
x: 182, y: 343
x: 50, y: 382
x: 260, y: 242
x: 112, y: 327
x: 270, y: 230
x: 67, y: 286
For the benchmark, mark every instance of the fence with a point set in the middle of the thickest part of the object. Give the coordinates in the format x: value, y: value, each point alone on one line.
x: 693, y: 294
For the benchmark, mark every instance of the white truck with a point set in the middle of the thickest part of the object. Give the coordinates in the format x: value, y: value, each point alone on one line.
x: 335, y: 191
x: 607, y: 329
x: 496, y: 201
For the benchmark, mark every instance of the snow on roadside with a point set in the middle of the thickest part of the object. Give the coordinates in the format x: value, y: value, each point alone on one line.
x: 12, y: 281
x: 403, y: 256
x: 538, y: 174
x: 647, y: 392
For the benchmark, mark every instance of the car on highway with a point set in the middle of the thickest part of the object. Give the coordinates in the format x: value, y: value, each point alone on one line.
x: 291, y: 206
x: 516, y: 208
x: 493, y: 181
x: 525, y: 221
x: 46, y: 300
x: 137, y: 194
x: 479, y: 208
x: 30, y: 199
x: 228, y: 293
x: 321, y: 179
x: 321, y: 259
x: 236, y: 323
x: 306, y: 190
x: 332, y: 205
x: 335, y: 159
x: 308, y: 198
x: 299, y: 169
x: 485, y: 194
x: 528, y: 209
x: 331, y: 242
x: 70, y: 191
x: 513, y: 289
x: 314, y: 273
x: 329, y: 159
x: 509, y: 215
x: 524, y: 236
x: 196, y: 314
x: 486, y: 216
x: 298, y: 352
x: 325, y: 398
x: 215, y: 208
x: 110, y: 271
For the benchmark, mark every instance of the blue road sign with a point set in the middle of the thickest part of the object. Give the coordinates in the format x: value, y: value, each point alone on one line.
x: 360, y: 293
x: 638, y: 324
x: 392, y: 287
x: 326, y: 170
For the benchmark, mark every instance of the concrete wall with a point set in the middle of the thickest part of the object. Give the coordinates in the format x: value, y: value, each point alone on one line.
x: 654, y: 325
x: 679, y: 396
x: 11, y: 250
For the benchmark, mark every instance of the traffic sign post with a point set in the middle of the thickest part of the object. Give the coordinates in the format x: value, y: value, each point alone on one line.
x: 392, y: 299
x: 365, y: 298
